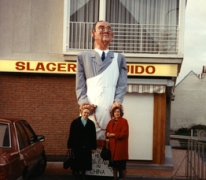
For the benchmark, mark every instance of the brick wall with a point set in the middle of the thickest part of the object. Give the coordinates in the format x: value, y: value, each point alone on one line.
x: 48, y: 102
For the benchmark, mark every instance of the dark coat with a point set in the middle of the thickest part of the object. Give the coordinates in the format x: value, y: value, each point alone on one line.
x: 82, y: 140
x: 119, y: 143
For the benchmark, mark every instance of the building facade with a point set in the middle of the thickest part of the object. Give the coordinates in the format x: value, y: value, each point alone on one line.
x: 188, y: 108
x: 39, y: 43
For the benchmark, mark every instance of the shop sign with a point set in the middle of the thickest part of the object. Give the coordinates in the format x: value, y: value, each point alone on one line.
x: 37, y: 67
x: 152, y: 70
x: 70, y: 68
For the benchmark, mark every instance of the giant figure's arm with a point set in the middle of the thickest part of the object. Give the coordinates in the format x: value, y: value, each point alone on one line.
x: 81, y: 89
x: 122, y: 82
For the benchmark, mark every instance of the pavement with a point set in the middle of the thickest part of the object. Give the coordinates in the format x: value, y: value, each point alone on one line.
x: 173, y: 169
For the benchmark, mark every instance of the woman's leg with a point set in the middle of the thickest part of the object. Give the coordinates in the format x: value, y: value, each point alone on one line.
x: 120, y: 173
x: 123, y: 174
x: 115, y: 173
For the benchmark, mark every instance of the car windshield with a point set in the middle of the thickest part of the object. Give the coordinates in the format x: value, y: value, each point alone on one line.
x: 4, y: 135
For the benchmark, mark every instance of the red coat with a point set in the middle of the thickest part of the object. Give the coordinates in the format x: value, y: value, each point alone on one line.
x: 119, y: 143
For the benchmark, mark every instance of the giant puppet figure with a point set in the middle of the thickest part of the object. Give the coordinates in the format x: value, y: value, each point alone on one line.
x: 101, y: 77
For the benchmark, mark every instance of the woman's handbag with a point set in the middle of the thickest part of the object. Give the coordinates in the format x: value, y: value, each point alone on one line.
x: 68, y: 160
x: 105, y: 153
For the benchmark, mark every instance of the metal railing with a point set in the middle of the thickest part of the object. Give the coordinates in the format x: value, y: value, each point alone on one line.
x: 128, y: 38
x: 196, y: 160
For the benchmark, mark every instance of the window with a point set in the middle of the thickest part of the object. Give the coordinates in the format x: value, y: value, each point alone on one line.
x: 5, y: 139
x: 140, y: 26
x: 23, y: 138
x: 83, y: 13
x: 20, y: 139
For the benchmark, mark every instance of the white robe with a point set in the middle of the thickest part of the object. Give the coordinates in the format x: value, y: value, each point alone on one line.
x: 101, y: 92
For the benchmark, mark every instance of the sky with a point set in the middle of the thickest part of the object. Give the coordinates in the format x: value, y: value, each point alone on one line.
x: 195, y: 38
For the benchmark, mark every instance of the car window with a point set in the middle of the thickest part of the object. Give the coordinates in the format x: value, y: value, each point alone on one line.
x: 20, y: 139
x: 22, y: 136
x: 29, y: 131
x: 5, y: 139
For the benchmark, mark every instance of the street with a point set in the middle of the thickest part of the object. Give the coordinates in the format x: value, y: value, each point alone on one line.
x: 66, y: 177
x: 69, y: 177
x: 51, y: 177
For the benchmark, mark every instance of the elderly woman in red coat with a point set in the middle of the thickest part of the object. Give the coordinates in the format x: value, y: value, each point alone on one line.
x: 118, y: 132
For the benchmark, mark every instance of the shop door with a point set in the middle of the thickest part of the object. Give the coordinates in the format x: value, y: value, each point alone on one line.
x: 138, y: 110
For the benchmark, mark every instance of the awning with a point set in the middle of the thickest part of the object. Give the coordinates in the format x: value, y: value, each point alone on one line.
x: 145, y: 88
x: 148, y: 85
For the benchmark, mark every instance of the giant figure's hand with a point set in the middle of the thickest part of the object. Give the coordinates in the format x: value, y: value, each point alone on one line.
x: 116, y: 104
x: 92, y: 107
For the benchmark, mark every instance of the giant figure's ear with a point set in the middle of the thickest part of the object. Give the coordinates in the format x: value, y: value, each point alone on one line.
x: 112, y: 33
x: 93, y: 33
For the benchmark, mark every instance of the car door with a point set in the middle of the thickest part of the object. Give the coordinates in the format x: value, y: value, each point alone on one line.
x: 9, y: 153
x: 27, y: 151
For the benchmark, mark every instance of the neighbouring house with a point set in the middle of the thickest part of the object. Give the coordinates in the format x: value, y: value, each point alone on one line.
x: 188, y: 108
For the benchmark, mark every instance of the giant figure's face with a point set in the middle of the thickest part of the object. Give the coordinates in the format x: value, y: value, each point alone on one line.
x: 103, y: 33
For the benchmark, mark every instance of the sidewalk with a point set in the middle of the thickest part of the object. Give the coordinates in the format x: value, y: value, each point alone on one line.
x: 175, y: 172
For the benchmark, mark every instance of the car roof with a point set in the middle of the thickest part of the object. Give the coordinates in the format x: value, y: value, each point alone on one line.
x: 3, y: 119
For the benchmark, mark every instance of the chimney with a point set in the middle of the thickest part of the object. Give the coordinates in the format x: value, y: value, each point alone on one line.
x: 204, y: 69
x: 203, y: 72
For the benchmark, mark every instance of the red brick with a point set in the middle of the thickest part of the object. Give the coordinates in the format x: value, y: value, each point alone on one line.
x: 47, y: 102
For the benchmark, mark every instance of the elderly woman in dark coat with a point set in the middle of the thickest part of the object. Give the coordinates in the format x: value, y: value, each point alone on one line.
x: 82, y: 142
x: 118, y: 132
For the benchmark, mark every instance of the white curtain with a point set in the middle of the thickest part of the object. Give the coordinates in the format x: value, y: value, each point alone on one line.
x: 145, y: 11
x: 84, y: 10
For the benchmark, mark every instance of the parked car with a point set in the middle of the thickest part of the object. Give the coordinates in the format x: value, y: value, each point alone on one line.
x: 21, y: 150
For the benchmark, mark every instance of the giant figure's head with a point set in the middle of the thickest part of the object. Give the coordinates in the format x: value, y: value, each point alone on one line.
x: 102, y: 34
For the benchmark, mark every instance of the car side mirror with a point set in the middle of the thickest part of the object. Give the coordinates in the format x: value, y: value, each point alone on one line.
x: 40, y: 138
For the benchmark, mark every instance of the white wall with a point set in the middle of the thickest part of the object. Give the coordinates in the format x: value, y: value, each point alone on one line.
x: 138, y: 110
x: 31, y: 30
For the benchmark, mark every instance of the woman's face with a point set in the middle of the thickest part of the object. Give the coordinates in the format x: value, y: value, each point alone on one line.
x: 85, y: 113
x: 117, y: 113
